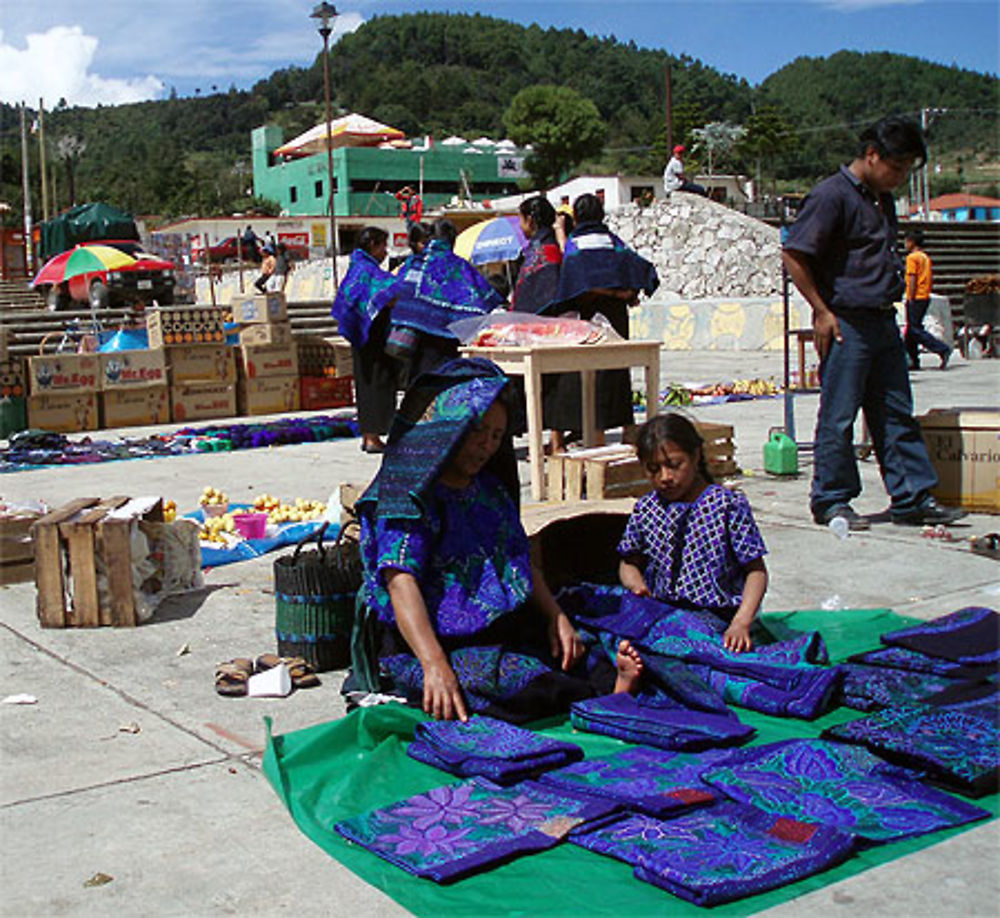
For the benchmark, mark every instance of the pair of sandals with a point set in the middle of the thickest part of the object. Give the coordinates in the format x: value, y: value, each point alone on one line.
x: 232, y: 678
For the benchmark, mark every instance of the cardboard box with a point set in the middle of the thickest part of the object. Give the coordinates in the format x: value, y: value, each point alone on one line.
x: 12, y: 378
x: 324, y: 356
x: 125, y: 369
x: 268, y: 395
x: 135, y: 406
x: 266, y: 307
x: 64, y: 373
x: 326, y: 392
x: 268, y: 360
x: 176, y: 325
x: 273, y: 333
x: 63, y: 412
x: 203, y: 401
x: 200, y: 364
x: 964, y: 446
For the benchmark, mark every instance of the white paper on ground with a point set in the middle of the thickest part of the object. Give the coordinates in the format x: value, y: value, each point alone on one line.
x: 272, y: 683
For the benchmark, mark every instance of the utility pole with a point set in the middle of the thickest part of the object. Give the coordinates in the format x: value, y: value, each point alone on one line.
x: 29, y: 249
x: 670, y: 113
x: 46, y: 211
x: 925, y: 170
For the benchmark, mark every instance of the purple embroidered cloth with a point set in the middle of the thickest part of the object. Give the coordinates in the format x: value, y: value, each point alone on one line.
x: 489, y: 748
x: 912, y: 662
x: 867, y: 688
x: 453, y: 831
x: 957, y: 747
x: 670, y: 726
x: 725, y: 852
x: 970, y: 636
x: 841, y: 786
x: 641, y: 779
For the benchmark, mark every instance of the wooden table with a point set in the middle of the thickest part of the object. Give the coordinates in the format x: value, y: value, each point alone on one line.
x: 586, y: 359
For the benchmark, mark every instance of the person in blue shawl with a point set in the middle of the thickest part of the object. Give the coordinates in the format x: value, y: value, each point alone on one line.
x: 599, y: 274
x: 466, y: 625
x: 365, y: 323
x: 538, y: 279
x: 434, y: 289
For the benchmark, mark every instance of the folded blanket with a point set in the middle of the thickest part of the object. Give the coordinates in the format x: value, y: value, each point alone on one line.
x: 840, y: 786
x: 969, y: 636
x: 641, y: 779
x: 867, y: 688
x: 725, y: 852
x: 959, y: 747
x: 635, y: 720
x: 490, y: 748
x: 453, y: 831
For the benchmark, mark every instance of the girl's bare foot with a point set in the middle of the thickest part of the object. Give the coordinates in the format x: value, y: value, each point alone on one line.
x: 629, y: 665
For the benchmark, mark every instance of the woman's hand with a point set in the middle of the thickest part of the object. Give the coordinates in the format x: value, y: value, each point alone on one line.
x: 737, y: 636
x: 567, y: 647
x: 443, y: 698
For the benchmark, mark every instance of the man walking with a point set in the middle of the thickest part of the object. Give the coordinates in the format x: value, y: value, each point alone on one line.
x: 841, y: 254
x: 918, y: 300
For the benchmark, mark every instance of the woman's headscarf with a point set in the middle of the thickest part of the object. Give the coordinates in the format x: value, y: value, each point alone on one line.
x: 437, y: 412
x: 357, y: 303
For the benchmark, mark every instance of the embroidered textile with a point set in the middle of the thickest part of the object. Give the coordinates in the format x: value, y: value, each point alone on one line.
x: 725, y: 852
x: 355, y: 307
x: 841, y: 786
x: 866, y: 688
x: 694, y: 554
x: 596, y: 259
x: 910, y: 661
x: 958, y: 748
x: 453, y: 831
x: 642, y: 779
x: 539, y: 275
x: 490, y: 748
x: 669, y: 726
x: 970, y: 636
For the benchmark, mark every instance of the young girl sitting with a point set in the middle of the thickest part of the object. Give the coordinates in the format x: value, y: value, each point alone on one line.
x: 691, y: 542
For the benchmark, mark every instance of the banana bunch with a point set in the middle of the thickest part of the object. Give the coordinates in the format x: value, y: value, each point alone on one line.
x: 754, y: 387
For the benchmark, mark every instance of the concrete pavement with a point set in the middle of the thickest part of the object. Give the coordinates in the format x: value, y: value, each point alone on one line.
x: 130, y: 765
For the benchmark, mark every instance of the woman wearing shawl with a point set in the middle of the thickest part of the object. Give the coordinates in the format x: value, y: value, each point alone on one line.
x: 365, y: 324
x: 467, y: 625
x: 434, y: 289
x: 539, y: 275
x: 600, y: 274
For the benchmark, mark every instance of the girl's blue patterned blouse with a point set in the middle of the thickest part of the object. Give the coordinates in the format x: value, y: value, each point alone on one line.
x: 468, y: 552
x: 695, y: 553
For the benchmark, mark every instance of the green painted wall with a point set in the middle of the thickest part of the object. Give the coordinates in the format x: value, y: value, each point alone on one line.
x: 367, y: 177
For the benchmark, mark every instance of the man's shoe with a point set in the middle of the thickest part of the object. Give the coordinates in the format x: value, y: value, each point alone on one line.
x: 945, y: 357
x: 855, y: 523
x: 929, y: 513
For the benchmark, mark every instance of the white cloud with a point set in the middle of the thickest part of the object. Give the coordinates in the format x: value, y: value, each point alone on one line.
x: 58, y: 64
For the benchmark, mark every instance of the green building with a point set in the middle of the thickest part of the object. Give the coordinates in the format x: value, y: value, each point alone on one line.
x: 367, y: 178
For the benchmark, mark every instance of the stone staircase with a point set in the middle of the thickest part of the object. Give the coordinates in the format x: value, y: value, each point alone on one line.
x: 16, y: 294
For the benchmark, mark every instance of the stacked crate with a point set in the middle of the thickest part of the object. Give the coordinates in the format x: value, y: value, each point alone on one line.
x: 134, y: 390
x: 63, y: 392
x: 199, y: 364
x: 326, y: 369
x: 267, y: 358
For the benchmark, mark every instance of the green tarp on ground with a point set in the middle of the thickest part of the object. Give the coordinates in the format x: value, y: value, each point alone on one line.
x: 83, y: 223
x: 336, y: 770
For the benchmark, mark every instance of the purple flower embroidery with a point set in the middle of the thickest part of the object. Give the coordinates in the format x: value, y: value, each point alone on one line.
x: 435, y: 840
x: 442, y: 804
x: 517, y: 814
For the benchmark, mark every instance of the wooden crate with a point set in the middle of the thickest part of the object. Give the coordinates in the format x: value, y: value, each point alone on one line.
x: 17, y: 558
x: 68, y: 543
x: 719, y: 448
x: 568, y: 472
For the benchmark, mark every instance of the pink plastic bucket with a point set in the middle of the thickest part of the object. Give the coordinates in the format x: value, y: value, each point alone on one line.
x: 250, y: 525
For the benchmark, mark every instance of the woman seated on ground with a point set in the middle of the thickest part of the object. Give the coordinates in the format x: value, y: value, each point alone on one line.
x: 466, y: 624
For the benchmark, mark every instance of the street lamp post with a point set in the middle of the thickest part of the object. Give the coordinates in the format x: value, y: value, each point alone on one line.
x: 324, y: 12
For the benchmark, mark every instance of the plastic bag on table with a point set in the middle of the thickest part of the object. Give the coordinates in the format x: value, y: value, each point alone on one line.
x: 524, y: 329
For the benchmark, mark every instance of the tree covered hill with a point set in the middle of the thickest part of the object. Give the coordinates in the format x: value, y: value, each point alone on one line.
x: 441, y: 74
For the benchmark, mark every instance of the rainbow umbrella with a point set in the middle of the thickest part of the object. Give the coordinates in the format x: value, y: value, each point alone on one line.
x: 499, y: 239
x: 84, y: 259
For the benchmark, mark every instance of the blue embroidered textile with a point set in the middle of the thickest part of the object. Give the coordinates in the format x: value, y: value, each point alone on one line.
x: 670, y: 726
x: 489, y: 748
x: 910, y: 661
x: 714, y: 855
x: 453, y: 831
x: 539, y: 275
x: 356, y: 305
x: 642, y: 779
x: 970, y: 636
x: 596, y: 259
x: 866, y: 688
x: 437, y: 288
x: 959, y: 748
x: 694, y: 554
x: 841, y: 786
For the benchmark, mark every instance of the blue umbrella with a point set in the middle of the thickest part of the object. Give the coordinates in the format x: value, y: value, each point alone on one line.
x: 499, y: 239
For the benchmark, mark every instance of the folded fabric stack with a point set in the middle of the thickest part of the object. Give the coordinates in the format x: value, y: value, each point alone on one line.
x: 489, y: 748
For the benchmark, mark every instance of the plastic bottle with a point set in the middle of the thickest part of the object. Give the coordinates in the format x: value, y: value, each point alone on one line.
x: 839, y: 527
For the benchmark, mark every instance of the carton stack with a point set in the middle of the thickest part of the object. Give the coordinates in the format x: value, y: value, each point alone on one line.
x: 199, y: 364
x: 325, y: 367
x: 134, y: 389
x: 63, y: 392
x: 267, y: 361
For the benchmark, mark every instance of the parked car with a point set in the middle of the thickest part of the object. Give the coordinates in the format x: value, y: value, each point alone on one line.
x: 150, y: 279
x: 226, y: 250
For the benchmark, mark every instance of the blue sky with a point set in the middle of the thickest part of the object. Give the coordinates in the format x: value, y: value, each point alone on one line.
x: 114, y: 51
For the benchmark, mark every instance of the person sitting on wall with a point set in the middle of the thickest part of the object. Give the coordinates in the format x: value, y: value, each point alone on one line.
x: 674, y: 178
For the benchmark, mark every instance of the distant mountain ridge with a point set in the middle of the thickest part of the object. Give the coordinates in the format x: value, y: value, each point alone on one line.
x: 440, y: 74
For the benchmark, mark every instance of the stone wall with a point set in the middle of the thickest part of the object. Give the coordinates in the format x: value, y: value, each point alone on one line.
x: 702, y: 250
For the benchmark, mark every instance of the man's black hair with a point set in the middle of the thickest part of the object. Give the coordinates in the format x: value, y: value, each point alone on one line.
x: 894, y: 137
x: 916, y: 236
x: 588, y: 209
